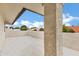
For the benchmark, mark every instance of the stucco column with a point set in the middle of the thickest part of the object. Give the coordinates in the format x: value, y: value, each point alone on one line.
x: 50, y: 29
x: 53, y: 29
x: 59, y: 40
x: 2, y: 33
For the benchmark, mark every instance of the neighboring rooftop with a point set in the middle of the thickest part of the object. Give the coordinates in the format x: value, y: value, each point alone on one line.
x: 75, y: 28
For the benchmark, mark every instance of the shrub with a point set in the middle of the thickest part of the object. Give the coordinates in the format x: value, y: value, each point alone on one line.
x: 16, y: 28
x: 23, y: 28
x: 35, y: 30
x: 66, y: 29
x: 41, y: 29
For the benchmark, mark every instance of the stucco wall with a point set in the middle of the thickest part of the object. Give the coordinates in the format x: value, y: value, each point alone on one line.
x: 2, y: 33
x: 71, y: 40
x: 18, y: 33
x: 1, y: 24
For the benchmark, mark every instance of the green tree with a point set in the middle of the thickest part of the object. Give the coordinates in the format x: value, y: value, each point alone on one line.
x: 24, y: 28
x: 66, y: 29
x: 41, y: 29
x: 17, y: 28
x: 35, y: 30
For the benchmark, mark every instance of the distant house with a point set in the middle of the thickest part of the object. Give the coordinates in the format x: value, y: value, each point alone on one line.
x: 34, y: 29
x: 74, y: 28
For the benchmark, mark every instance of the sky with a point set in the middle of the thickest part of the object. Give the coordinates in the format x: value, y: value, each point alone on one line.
x: 71, y: 14
x: 30, y: 19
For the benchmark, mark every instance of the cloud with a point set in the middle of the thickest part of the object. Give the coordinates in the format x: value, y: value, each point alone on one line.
x: 67, y: 24
x: 27, y: 23
x: 16, y: 23
x: 67, y: 18
x: 32, y: 24
x: 38, y: 24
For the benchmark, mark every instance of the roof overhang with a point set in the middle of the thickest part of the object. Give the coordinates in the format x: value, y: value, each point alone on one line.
x: 10, y: 11
x: 22, y: 11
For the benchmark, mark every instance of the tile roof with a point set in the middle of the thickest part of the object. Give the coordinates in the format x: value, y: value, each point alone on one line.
x: 75, y: 28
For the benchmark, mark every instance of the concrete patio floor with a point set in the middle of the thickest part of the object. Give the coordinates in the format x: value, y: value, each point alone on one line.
x: 70, y: 52
x: 23, y: 46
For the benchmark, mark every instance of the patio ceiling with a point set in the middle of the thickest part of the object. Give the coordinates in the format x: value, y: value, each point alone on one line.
x: 10, y: 11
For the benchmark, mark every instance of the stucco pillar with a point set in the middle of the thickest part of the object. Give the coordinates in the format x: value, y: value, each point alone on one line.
x: 53, y: 29
x: 2, y: 33
x: 59, y: 40
x: 50, y: 29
